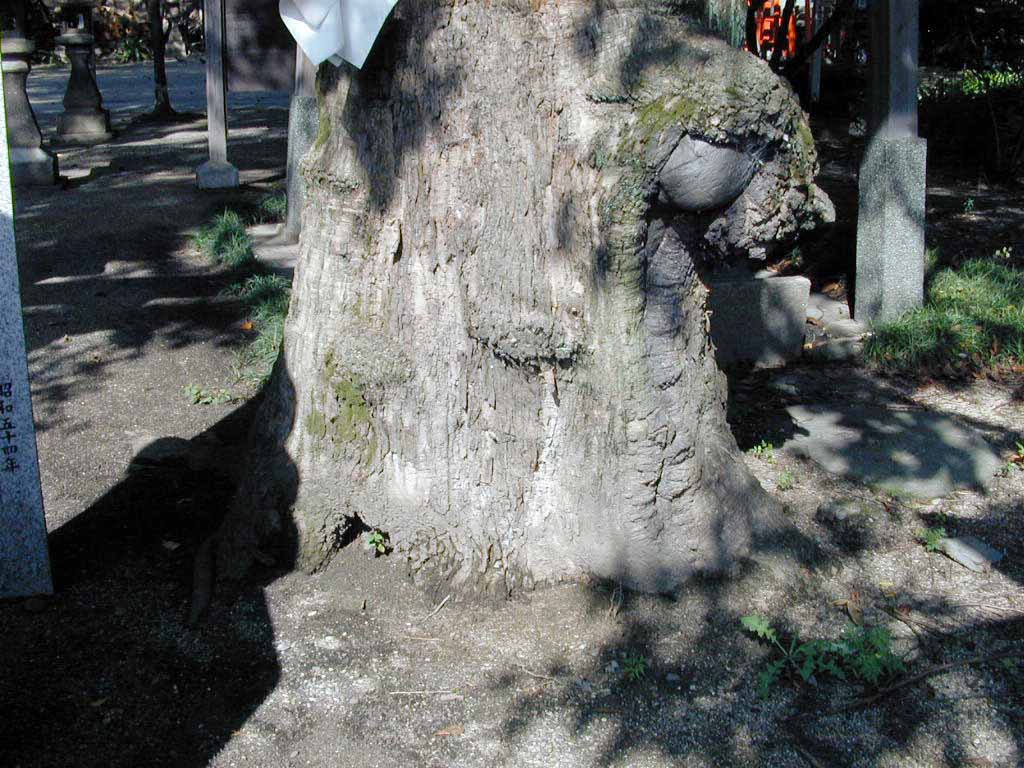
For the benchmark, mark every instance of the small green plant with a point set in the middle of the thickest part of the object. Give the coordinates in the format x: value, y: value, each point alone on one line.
x: 863, y: 654
x: 1004, y: 254
x: 131, y: 49
x: 635, y: 667
x: 199, y: 396
x: 764, y: 451
x: 930, y: 537
x: 378, y: 540
x: 969, y: 205
x: 785, y: 481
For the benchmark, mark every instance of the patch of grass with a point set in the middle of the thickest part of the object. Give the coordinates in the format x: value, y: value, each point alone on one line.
x: 272, y: 207
x: 973, y: 318
x: 225, y: 241
x: 267, y: 298
x: 930, y: 537
x: 863, y: 654
x: 635, y: 667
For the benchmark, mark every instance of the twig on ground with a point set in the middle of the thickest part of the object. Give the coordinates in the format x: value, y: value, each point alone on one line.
x: 534, y: 674
x: 417, y: 693
x: 436, y: 609
x: 884, y: 692
x: 423, y: 639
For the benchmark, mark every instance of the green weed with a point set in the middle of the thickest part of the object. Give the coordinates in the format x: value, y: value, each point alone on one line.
x: 199, y: 396
x: 785, y: 481
x: 930, y: 537
x: 764, y: 451
x: 863, y: 654
x: 378, y: 540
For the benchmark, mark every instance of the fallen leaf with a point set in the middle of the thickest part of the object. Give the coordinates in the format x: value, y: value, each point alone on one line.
x: 170, y: 546
x: 247, y: 325
x: 451, y: 730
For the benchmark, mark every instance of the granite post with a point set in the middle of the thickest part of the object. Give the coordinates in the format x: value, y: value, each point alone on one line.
x: 84, y: 120
x: 303, y: 126
x: 30, y: 163
x: 217, y: 172
x: 891, y: 213
x: 24, y: 559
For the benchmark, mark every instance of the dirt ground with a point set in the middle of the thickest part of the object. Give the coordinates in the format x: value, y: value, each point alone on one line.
x: 354, y: 666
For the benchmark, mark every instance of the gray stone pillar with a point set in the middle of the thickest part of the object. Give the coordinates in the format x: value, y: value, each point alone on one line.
x: 30, y: 163
x: 303, y: 126
x: 891, y: 213
x: 24, y: 559
x: 217, y: 172
x: 84, y: 120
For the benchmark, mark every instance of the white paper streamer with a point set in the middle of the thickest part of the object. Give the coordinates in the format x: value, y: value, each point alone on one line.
x: 335, y: 30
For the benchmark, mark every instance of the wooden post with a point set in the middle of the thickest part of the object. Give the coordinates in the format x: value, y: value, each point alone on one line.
x: 217, y: 172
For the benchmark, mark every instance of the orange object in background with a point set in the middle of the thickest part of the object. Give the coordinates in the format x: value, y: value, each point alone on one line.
x: 768, y: 19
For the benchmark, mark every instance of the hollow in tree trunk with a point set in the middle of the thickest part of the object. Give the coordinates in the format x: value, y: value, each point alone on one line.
x: 497, y: 350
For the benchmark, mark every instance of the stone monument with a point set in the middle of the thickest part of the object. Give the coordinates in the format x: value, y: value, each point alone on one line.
x: 217, y: 172
x: 24, y: 560
x: 30, y: 163
x: 891, y: 212
x: 84, y: 120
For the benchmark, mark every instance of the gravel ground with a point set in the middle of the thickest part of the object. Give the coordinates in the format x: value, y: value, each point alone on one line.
x: 353, y: 665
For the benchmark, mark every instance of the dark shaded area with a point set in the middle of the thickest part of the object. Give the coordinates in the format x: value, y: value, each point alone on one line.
x: 110, y: 665
x: 259, y: 52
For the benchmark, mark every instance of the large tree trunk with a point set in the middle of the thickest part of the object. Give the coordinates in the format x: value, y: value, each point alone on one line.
x: 497, y: 350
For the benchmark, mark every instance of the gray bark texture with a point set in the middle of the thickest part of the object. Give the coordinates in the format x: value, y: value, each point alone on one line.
x: 497, y: 350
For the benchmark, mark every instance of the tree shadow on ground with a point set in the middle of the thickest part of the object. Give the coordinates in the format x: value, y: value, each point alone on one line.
x: 110, y: 671
x: 101, y: 267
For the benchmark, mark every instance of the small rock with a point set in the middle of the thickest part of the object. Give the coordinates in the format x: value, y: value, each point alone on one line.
x: 785, y: 385
x: 328, y: 643
x: 846, y: 329
x: 612, y: 667
x: 835, y: 350
x: 839, y: 510
x: 972, y: 553
x: 672, y: 677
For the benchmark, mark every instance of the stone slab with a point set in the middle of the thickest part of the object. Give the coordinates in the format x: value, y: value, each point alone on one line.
x: 915, y: 453
x: 759, y: 321
x: 24, y: 559
x: 890, y: 228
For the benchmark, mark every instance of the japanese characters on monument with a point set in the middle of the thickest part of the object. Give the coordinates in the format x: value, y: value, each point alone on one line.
x: 24, y: 560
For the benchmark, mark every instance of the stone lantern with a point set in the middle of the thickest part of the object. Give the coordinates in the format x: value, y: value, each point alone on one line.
x: 84, y: 120
x: 30, y: 163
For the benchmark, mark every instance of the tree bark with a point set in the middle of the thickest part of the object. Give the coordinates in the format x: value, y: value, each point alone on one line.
x: 497, y: 350
x: 157, y: 40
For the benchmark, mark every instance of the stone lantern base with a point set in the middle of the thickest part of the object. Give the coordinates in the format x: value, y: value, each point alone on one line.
x: 84, y: 120
x: 30, y: 163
